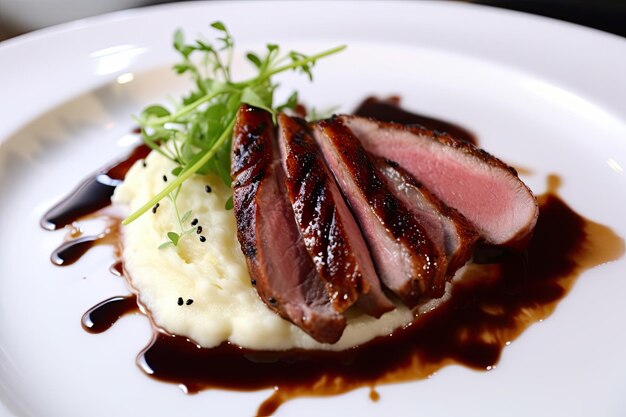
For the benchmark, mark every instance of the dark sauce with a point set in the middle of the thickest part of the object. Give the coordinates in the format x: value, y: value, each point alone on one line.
x: 117, y: 269
x: 93, y: 194
x: 389, y: 110
x: 72, y: 250
x: 488, y: 308
x: 104, y: 315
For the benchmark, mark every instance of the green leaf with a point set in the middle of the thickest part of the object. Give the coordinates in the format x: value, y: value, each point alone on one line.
x: 315, y: 114
x: 215, y: 113
x: 291, y: 102
x: 252, y: 98
x: 229, y: 203
x: 254, y: 59
x: 166, y: 245
x: 179, y: 39
x: 176, y: 171
x: 219, y: 26
x: 223, y: 169
x: 155, y: 111
x: 203, y: 46
x: 174, y: 237
x: 233, y: 103
x: 215, y: 86
x: 186, y: 217
x: 181, y: 68
x: 179, y: 44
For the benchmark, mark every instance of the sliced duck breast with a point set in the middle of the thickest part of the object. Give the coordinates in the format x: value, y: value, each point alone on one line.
x: 444, y: 225
x: 329, y: 231
x: 279, y: 264
x: 405, y: 258
x: 481, y: 187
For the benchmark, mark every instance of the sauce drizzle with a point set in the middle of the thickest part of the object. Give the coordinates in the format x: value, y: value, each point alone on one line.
x: 492, y: 305
x: 93, y: 194
x: 104, y: 314
x: 72, y: 250
x: 488, y: 308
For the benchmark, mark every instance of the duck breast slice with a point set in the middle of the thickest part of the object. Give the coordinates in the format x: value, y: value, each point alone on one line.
x: 280, y: 267
x: 329, y: 231
x: 404, y: 256
x: 481, y: 187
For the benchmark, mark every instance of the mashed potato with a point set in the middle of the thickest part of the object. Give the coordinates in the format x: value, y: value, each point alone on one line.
x: 212, y: 273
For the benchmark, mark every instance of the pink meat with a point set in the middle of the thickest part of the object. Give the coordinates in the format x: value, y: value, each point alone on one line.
x: 405, y: 258
x: 481, y: 187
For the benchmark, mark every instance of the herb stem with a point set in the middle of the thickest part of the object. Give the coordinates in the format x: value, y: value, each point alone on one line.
x: 267, y: 74
x: 183, y: 175
x: 304, y: 61
x: 186, y: 109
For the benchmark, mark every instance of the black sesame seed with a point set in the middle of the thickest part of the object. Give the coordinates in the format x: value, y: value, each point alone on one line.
x: 194, y: 222
x: 271, y: 300
x: 189, y: 301
x: 154, y: 209
x: 180, y: 301
x: 199, y: 230
x: 253, y: 281
x: 207, y: 189
x: 202, y: 239
x: 164, y: 178
x: 143, y: 162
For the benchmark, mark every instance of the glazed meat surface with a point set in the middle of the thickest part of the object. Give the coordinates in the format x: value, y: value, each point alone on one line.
x: 332, y: 214
x: 329, y: 231
x: 405, y: 258
x: 280, y: 267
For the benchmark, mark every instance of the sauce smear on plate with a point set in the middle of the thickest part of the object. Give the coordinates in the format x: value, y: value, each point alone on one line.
x: 494, y: 302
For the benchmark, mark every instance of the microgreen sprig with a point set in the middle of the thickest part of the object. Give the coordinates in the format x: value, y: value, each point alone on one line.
x: 199, y: 129
x: 174, y: 237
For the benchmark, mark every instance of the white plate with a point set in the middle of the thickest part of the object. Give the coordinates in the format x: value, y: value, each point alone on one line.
x: 541, y: 94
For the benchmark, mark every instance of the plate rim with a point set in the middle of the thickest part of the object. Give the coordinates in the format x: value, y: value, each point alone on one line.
x: 132, y: 14
x: 567, y: 41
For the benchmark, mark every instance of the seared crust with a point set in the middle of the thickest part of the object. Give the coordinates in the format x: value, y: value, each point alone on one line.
x: 395, y: 224
x: 330, y: 234
x: 279, y: 266
x: 460, y: 236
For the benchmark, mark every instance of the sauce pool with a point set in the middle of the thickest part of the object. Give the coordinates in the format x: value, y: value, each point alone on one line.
x: 487, y: 309
x: 389, y: 110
